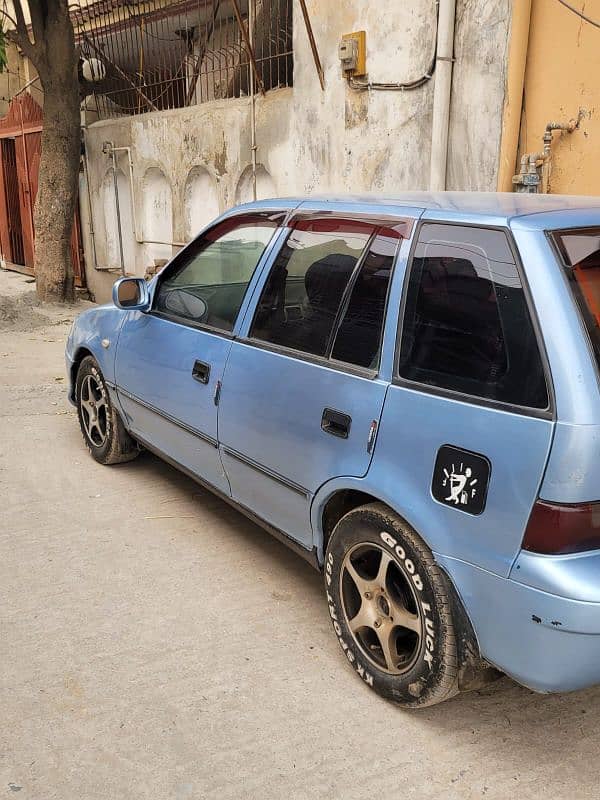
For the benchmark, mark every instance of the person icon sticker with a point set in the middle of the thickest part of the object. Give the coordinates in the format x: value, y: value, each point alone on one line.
x: 461, y: 487
x: 461, y: 479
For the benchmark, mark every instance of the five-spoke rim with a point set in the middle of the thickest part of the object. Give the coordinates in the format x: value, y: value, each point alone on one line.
x: 92, y: 403
x: 381, y: 608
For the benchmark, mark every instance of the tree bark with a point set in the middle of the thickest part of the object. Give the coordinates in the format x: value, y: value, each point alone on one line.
x: 53, y: 54
x: 59, y: 161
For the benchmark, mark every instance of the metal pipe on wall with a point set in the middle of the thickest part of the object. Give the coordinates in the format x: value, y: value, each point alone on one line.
x: 86, y: 177
x: 441, y: 96
x: 138, y: 237
x: 518, y: 43
x: 119, y: 231
x: 109, y: 148
x: 253, y: 147
x: 132, y: 203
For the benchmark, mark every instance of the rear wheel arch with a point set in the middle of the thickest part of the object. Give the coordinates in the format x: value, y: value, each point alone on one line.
x: 474, y: 671
x: 345, y: 499
x: 337, y: 506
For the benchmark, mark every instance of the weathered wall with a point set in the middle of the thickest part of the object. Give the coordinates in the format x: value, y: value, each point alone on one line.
x: 308, y: 140
x: 562, y: 76
x: 211, y: 140
x: 478, y: 87
x: 18, y: 72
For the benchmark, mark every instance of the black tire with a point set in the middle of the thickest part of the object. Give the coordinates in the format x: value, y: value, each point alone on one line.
x: 104, y: 435
x: 421, y: 664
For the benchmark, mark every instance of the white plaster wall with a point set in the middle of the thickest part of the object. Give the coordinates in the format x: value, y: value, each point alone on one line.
x: 481, y: 52
x: 338, y: 140
x: 200, y: 201
x: 265, y: 185
x: 157, y: 216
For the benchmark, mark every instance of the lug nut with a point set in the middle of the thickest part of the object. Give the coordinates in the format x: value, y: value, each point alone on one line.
x: 377, y: 623
x: 368, y: 595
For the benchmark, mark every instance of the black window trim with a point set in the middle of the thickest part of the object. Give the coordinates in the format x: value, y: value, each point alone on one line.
x: 346, y: 294
x: 189, y: 323
x: 201, y: 326
x: 327, y: 360
x: 548, y: 413
x: 301, y: 355
x: 586, y: 317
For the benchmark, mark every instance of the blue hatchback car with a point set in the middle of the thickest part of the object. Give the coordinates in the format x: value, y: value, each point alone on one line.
x: 407, y: 392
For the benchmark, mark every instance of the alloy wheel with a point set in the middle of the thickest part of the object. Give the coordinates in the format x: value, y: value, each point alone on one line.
x: 381, y: 608
x: 94, y: 410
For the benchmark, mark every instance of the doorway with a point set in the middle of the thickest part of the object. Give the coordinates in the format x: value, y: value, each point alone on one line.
x: 15, y: 252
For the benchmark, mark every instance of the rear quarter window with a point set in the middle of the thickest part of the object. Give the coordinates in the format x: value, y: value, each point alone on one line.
x: 579, y: 250
x: 467, y: 326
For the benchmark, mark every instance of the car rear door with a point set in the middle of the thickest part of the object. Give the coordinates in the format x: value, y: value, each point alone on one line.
x: 468, y: 422
x: 302, y: 394
x: 170, y: 361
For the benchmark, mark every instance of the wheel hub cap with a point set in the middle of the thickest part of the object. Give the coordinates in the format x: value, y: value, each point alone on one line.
x: 381, y: 608
x: 93, y: 408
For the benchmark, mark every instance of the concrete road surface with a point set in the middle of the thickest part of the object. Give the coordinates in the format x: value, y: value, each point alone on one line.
x: 155, y: 644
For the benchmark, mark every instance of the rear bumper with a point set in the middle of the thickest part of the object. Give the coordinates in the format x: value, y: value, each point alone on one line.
x: 545, y: 641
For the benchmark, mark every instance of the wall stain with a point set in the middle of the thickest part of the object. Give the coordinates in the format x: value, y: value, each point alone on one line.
x: 356, y: 109
x: 220, y: 159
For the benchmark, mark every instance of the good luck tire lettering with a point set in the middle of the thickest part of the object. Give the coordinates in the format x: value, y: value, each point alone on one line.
x: 390, y: 608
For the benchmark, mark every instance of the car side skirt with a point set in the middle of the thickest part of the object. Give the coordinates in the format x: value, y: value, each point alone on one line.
x: 308, y: 555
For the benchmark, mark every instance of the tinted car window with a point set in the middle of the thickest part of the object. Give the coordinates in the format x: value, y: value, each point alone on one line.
x: 207, y: 283
x: 580, y: 251
x: 302, y: 296
x: 358, y: 339
x: 467, y: 326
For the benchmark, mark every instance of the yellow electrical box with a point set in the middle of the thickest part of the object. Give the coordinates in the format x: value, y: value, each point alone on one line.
x: 353, y: 53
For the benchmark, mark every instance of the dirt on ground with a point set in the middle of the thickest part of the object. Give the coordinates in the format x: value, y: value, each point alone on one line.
x: 20, y: 309
x: 156, y: 644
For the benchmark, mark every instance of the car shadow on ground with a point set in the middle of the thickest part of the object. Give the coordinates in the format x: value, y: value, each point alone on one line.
x: 254, y: 536
x: 512, y: 721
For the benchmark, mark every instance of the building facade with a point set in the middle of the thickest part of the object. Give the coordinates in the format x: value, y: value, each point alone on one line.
x: 185, y: 165
x: 196, y: 105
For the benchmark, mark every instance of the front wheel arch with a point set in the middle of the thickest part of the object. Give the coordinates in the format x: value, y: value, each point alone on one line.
x: 80, y: 354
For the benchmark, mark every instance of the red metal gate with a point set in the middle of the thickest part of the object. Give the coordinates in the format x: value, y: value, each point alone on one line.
x: 14, y: 250
x: 20, y: 148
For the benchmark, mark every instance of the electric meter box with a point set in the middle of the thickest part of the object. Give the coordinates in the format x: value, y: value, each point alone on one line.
x: 353, y: 53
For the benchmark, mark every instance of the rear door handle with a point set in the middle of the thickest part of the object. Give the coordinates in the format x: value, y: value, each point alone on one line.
x: 201, y: 371
x: 336, y: 423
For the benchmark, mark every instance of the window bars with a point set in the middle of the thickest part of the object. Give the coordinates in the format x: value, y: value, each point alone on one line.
x: 155, y: 55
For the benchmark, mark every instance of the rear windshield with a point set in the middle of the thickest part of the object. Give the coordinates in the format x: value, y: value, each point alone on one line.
x: 580, y: 252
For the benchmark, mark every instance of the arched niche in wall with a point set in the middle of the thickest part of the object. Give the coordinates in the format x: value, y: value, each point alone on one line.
x: 200, y: 201
x: 111, y: 221
x: 157, y: 219
x: 265, y: 185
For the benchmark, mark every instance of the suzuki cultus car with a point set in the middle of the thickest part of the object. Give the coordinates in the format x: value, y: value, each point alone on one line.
x: 407, y: 392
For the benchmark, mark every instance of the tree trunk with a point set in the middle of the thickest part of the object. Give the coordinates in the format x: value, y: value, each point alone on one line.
x: 59, y: 161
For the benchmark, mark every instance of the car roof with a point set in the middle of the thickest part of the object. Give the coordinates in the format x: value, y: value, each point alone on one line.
x: 492, y: 208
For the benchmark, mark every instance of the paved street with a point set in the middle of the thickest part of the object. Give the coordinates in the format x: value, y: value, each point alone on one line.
x: 156, y: 644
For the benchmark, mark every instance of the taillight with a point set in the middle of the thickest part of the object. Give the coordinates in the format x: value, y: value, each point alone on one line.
x: 557, y: 529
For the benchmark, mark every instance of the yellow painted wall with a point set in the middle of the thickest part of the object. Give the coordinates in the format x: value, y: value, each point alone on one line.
x: 562, y: 76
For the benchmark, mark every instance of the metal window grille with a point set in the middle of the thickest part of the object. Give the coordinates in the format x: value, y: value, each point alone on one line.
x: 157, y: 55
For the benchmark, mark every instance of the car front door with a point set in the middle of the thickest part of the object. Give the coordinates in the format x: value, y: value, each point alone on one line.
x: 170, y: 361
x: 302, y: 394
